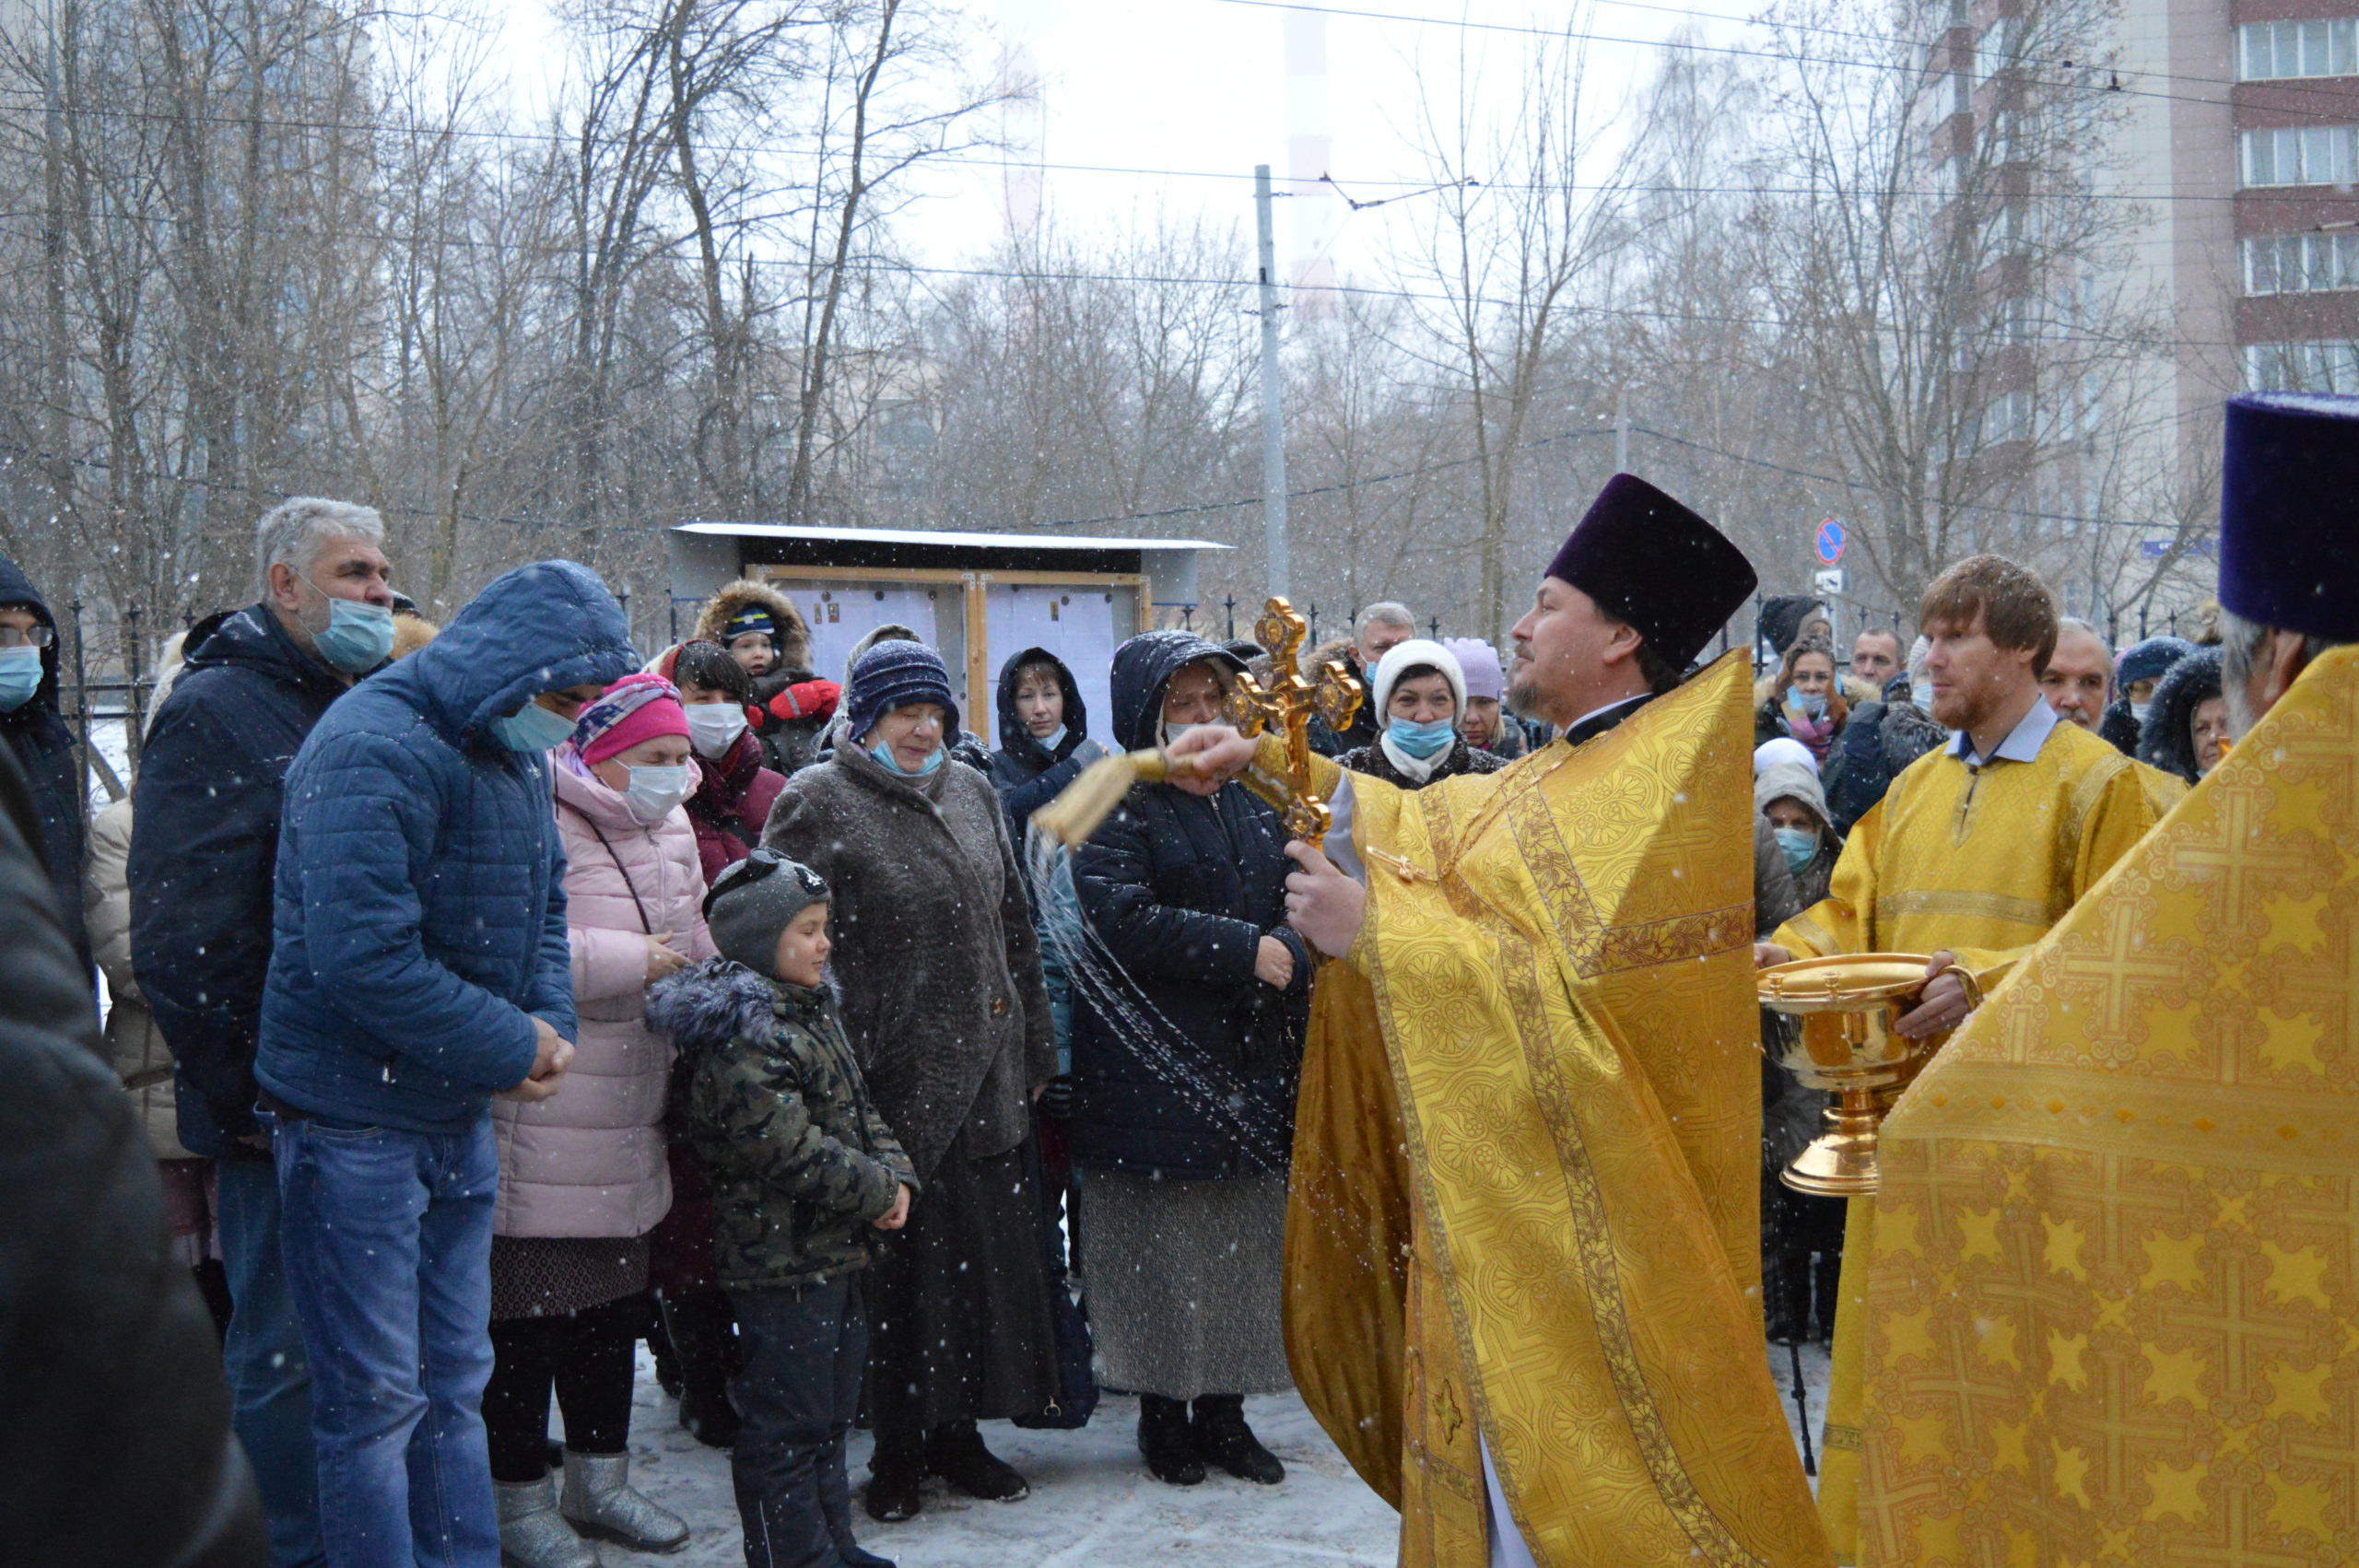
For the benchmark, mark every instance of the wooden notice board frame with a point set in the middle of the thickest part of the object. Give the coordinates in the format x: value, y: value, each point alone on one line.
x: 973, y: 586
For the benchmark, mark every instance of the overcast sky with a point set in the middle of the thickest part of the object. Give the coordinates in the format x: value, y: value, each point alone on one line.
x: 1207, y: 88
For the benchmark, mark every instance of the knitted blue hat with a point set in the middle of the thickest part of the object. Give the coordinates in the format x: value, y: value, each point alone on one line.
x: 895, y: 674
x: 2289, y: 513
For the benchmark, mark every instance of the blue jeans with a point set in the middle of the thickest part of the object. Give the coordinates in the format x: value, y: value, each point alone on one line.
x: 388, y: 1244
x: 270, y: 1383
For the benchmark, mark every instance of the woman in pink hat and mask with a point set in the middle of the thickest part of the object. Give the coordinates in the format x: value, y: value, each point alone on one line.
x: 582, y: 1177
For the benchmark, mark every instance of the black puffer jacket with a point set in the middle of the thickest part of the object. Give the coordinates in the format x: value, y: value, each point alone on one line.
x: 1879, y: 739
x: 2167, y: 741
x: 205, y: 852
x: 114, y: 1422
x: 1196, y: 1077
x: 1027, y: 774
x: 44, y: 748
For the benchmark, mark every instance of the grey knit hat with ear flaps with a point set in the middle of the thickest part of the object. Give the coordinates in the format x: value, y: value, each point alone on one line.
x: 752, y: 902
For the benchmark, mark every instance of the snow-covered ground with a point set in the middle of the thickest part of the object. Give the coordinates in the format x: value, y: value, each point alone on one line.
x: 1093, y: 1505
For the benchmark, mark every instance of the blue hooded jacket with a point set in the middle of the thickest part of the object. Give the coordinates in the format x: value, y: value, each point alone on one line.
x: 421, y: 914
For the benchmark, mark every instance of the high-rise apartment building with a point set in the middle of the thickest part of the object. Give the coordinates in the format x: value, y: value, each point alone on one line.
x: 2242, y: 142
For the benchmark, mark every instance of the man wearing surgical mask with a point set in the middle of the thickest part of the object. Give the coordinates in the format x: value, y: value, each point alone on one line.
x: 420, y: 963
x: 35, y: 733
x: 204, y: 847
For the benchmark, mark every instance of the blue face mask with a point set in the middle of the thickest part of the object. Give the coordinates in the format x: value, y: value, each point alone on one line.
x: 532, y: 729
x: 1421, y: 741
x: 1798, y: 843
x: 884, y: 754
x: 1810, y: 704
x: 360, y: 636
x: 20, y: 678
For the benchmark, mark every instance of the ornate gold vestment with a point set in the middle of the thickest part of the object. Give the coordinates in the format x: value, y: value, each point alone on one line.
x: 1527, y: 1160
x: 2114, y: 1315
x: 1983, y: 864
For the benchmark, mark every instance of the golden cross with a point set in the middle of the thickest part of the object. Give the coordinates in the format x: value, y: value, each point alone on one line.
x: 1285, y: 707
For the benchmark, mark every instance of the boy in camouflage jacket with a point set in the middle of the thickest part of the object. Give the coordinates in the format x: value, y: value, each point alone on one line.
x: 802, y: 1168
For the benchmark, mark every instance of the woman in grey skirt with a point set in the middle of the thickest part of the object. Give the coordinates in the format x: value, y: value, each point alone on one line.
x: 1185, y: 1065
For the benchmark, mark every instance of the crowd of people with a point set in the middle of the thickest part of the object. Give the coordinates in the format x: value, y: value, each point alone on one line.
x: 490, y: 1000
x: 1829, y: 743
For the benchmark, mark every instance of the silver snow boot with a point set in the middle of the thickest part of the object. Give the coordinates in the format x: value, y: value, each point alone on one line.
x: 532, y: 1535
x: 600, y: 1502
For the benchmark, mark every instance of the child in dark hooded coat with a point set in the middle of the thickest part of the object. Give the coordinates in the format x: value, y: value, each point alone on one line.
x: 802, y: 1168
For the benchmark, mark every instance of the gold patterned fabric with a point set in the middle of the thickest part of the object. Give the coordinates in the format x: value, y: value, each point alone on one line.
x: 1982, y: 862
x: 2114, y: 1315
x: 1526, y: 1178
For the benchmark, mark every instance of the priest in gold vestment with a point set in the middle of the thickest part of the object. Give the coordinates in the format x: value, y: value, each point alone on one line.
x: 1977, y: 849
x: 1522, y: 1244
x: 2114, y: 1314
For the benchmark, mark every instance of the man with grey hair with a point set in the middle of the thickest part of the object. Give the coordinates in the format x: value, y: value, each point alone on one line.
x: 2078, y: 682
x: 2289, y: 563
x: 1376, y: 630
x: 203, y: 848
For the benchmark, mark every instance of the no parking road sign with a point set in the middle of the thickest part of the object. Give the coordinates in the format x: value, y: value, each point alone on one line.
x: 1829, y: 541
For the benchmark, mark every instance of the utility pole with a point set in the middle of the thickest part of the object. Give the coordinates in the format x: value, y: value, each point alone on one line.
x: 1273, y: 436
x: 1621, y: 431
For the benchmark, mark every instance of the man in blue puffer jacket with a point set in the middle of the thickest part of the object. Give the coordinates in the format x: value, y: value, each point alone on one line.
x: 420, y: 966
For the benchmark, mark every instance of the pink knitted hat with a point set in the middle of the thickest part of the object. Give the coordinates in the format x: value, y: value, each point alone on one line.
x: 635, y: 709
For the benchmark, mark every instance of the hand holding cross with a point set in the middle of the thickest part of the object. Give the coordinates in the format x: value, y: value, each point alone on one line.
x: 1284, y: 707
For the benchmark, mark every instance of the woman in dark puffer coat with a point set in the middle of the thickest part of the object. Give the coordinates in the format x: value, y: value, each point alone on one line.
x: 1183, y: 1105
x: 2169, y: 738
x: 942, y: 1002
x: 33, y: 728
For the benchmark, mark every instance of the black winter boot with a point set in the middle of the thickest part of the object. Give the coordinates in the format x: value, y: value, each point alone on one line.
x: 1167, y: 1443
x: 957, y: 1454
x: 1223, y: 1437
x: 700, y: 1327
x: 894, y: 1492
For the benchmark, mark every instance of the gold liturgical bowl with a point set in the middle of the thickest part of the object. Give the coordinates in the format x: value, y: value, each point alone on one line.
x: 1847, y: 1005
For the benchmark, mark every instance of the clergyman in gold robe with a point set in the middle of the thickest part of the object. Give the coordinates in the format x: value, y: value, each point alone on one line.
x: 1522, y: 1243
x: 2114, y: 1317
x: 1977, y: 849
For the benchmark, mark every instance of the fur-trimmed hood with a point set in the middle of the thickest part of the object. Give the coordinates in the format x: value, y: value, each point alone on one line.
x: 706, y: 1005
x: 794, y: 633
x: 2167, y: 739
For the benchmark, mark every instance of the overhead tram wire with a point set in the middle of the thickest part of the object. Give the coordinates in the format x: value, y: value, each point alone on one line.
x: 2057, y: 62
x: 2112, y: 88
x: 1027, y: 275
x: 1406, y: 184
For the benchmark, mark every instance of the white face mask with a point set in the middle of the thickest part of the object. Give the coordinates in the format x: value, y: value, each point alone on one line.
x: 1921, y: 694
x: 653, y: 791
x: 713, y: 727
x: 2138, y: 710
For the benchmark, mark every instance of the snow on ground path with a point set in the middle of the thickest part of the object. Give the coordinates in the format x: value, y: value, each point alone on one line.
x: 1093, y: 1505
x: 1092, y: 1501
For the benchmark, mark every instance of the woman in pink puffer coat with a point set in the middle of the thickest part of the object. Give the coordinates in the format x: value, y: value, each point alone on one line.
x: 582, y: 1174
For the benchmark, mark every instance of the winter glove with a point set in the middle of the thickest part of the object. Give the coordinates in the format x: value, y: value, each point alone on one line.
x: 807, y: 699
x: 1056, y: 1100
